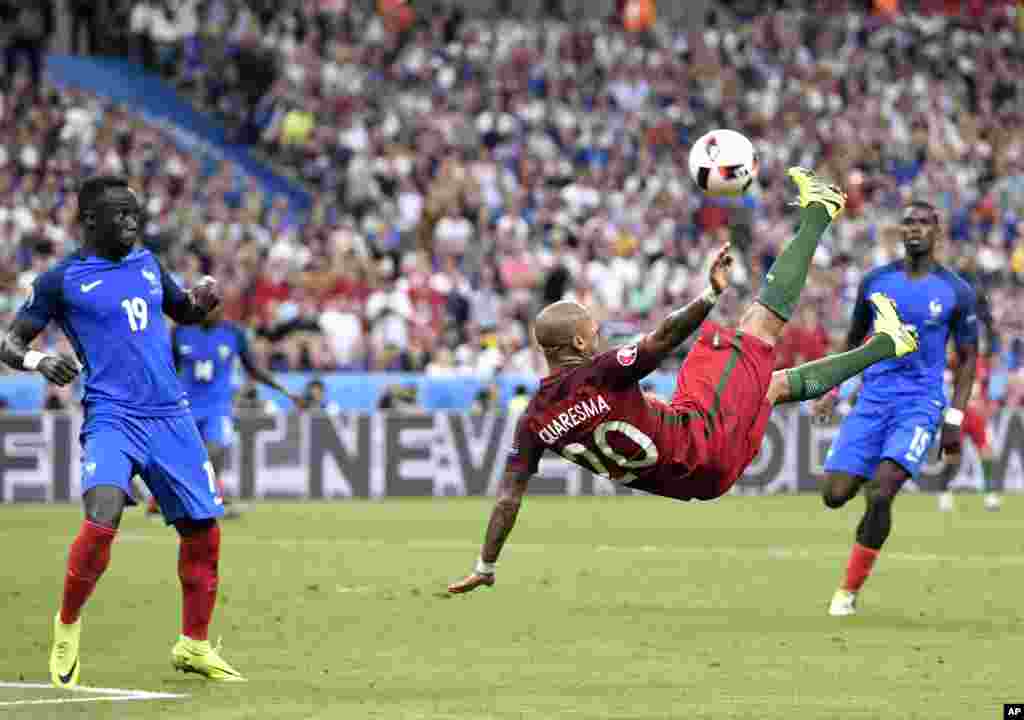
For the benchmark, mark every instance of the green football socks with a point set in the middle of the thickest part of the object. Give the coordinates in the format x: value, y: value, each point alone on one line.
x: 814, y: 379
x: 785, y: 281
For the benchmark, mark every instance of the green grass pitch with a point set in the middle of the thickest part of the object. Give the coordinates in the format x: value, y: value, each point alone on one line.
x: 625, y: 607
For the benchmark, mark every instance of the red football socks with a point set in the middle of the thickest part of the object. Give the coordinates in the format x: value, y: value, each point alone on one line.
x: 198, y: 556
x: 88, y: 558
x: 862, y: 559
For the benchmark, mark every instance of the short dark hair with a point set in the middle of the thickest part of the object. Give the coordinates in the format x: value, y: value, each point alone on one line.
x: 93, y: 188
x: 925, y: 205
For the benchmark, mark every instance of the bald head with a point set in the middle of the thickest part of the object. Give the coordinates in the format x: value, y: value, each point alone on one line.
x: 560, y: 324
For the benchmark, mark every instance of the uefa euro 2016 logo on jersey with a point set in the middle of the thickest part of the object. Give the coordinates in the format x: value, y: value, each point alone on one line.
x: 626, y: 355
x: 151, y: 276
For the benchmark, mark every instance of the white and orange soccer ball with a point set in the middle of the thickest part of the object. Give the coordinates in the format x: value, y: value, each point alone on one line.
x: 723, y: 162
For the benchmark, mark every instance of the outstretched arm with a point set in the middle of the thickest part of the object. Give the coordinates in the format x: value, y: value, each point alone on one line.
x: 260, y: 375
x: 503, y: 519
x: 680, y: 324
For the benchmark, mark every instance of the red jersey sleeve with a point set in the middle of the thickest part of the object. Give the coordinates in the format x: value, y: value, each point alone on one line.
x: 626, y: 365
x: 527, y: 449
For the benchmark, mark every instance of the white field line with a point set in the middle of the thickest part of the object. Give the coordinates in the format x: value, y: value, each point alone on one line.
x: 92, y: 695
x: 744, y: 551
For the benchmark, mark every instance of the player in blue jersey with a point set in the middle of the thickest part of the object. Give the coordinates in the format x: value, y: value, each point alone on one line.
x: 205, y: 357
x: 902, y: 405
x: 110, y: 298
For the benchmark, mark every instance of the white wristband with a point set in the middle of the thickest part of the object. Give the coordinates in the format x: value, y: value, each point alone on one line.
x: 710, y: 296
x: 32, y: 359
x: 953, y: 417
x: 485, y: 568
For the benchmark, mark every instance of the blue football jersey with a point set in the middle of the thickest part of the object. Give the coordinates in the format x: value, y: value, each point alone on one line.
x: 113, y: 314
x: 206, y: 360
x: 939, y: 304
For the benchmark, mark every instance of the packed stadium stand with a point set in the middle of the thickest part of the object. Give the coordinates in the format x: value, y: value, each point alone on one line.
x: 465, y: 170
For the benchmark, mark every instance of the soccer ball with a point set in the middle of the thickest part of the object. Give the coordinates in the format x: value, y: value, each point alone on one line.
x: 723, y: 162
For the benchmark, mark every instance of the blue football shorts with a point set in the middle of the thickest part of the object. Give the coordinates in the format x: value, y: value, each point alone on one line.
x: 217, y: 428
x: 166, y: 452
x: 900, y: 430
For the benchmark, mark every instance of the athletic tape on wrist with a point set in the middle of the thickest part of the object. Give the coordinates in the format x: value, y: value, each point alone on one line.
x: 32, y: 359
x: 485, y: 568
x: 953, y: 417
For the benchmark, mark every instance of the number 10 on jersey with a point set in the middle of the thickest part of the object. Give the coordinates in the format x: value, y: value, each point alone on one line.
x: 647, y: 456
x: 138, y: 313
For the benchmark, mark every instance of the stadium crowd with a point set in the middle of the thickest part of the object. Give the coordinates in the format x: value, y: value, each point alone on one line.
x: 465, y: 172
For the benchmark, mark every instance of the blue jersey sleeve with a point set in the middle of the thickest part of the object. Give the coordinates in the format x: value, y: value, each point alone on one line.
x: 177, y: 303
x: 43, y: 303
x: 964, y: 320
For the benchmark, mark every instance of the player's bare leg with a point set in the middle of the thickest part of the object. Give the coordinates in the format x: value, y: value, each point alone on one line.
x: 87, y: 561
x: 949, y: 473
x: 992, y: 499
x: 820, y: 204
x: 839, y: 488
x: 872, y: 532
x: 198, y: 561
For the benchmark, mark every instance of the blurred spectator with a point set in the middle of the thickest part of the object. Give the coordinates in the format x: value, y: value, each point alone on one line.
x: 519, y: 400
x: 485, y: 400
x: 84, y: 21
x: 315, y: 395
x: 26, y: 28
x: 399, y: 398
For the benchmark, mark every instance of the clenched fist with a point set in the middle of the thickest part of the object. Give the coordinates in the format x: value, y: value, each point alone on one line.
x: 206, y: 293
x: 59, y: 369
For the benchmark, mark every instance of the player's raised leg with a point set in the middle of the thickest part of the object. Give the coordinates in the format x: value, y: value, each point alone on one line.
x: 182, y: 478
x: 820, y: 204
x: 811, y: 380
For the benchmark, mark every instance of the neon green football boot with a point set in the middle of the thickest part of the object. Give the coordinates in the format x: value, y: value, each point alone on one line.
x: 64, y: 665
x: 198, y: 656
x: 815, y: 190
x: 888, y: 322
